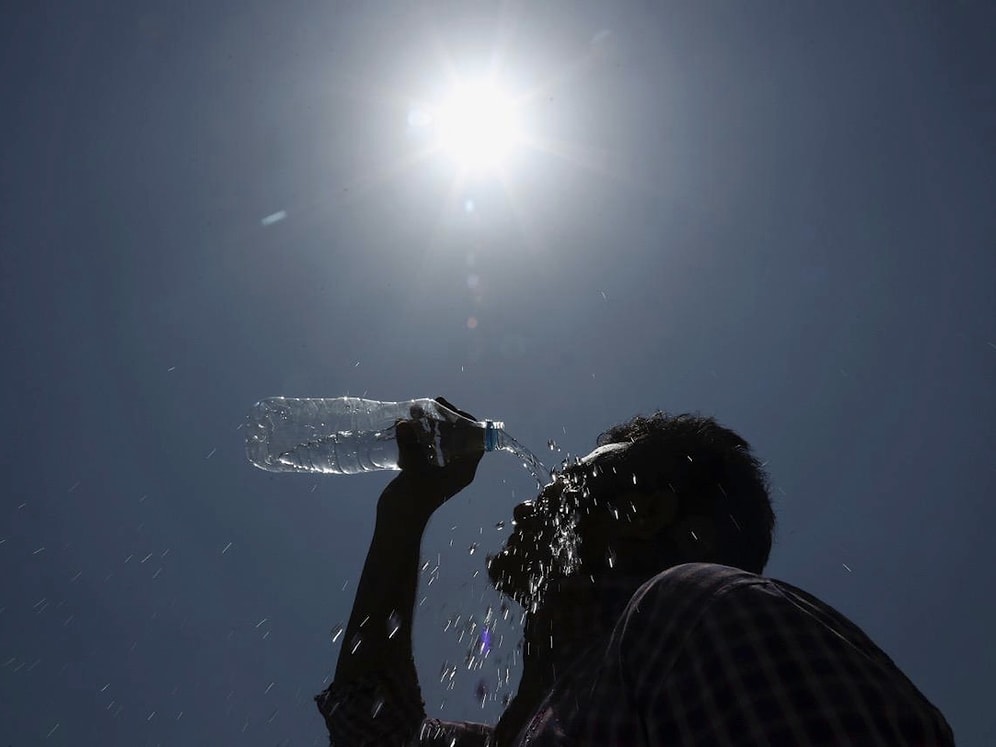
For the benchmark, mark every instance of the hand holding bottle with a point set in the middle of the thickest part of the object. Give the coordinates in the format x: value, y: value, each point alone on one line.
x: 423, y: 484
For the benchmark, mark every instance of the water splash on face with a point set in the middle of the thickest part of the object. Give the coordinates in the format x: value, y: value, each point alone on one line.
x: 545, y: 545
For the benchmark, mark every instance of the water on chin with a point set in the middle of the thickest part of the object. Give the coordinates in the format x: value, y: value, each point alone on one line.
x: 523, y: 568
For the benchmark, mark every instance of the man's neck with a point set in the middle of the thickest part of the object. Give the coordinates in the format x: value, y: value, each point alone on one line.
x: 575, y: 615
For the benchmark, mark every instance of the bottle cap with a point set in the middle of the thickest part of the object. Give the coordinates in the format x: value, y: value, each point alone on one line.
x: 491, y: 428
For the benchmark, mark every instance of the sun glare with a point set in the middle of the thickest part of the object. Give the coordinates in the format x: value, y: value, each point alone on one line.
x: 480, y: 127
x: 477, y: 126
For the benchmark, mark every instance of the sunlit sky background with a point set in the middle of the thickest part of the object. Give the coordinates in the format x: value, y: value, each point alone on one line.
x: 777, y: 213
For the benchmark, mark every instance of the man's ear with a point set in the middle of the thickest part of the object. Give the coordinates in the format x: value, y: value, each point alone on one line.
x: 648, y: 514
x: 694, y: 537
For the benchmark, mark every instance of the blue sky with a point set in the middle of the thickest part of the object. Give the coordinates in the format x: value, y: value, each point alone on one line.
x: 778, y: 214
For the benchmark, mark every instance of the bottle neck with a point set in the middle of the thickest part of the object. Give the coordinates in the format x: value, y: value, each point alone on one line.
x: 493, y: 435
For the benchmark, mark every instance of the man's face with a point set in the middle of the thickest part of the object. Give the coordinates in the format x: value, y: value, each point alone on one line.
x: 546, y: 543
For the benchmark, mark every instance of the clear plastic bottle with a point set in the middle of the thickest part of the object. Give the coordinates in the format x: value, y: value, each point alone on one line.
x: 347, y: 435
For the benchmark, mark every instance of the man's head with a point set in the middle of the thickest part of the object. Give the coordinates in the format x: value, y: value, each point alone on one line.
x: 657, y: 492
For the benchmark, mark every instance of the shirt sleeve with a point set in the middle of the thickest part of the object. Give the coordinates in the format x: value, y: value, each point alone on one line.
x: 383, y: 709
x: 721, y: 657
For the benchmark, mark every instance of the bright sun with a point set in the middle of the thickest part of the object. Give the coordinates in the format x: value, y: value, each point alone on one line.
x: 477, y: 126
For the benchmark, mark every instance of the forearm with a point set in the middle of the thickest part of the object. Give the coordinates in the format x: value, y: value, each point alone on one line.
x: 378, y: 636
x: 375, y: 696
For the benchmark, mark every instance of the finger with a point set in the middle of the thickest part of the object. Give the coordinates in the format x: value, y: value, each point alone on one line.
x: 404, y: 433
x: 447, y: 404
x: 410, y: 453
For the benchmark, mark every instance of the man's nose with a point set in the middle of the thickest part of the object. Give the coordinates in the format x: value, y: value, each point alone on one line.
x: 527, y: 510
x: 523, y: 512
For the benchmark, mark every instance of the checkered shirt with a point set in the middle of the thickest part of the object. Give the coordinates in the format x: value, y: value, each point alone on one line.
x: 699, y: 655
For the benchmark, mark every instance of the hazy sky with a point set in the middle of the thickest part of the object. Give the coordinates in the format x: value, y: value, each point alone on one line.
x: 777, y: 213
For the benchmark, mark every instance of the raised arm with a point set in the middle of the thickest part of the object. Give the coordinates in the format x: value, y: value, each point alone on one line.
x: 375, y: 696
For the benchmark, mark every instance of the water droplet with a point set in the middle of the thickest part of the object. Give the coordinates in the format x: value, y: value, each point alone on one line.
x: 269, y: 220
x: 500, y: 525
x: 481, y: 691
x: 485, y: 644
x: 356, y: 643
x: 377, y: 705
x: 447, y: 673
x: 393, y: 624
x: 472, y: 549
x: 552, y: 445
x: 336, y: 633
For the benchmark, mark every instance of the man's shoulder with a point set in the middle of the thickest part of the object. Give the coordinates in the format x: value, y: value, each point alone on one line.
x: 680, y: 598
x: 666, y: 610
x: 676, y: 599
x: 711, y: 623
x: 692, y: 589
x: 699, y: 580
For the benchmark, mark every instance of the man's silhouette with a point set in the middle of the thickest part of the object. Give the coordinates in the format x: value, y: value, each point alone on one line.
x: 648, y: 622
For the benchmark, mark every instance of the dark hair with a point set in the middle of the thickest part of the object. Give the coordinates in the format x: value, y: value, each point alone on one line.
x: 713, y: 473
